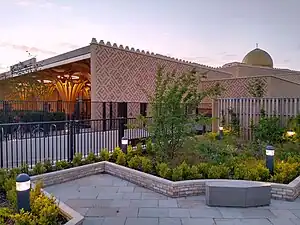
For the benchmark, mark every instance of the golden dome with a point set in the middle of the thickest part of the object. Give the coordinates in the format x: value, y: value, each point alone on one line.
x: 258, y: 57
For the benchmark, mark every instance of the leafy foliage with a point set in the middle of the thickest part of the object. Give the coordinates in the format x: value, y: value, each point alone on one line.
x: 268, y: 129
x: 174, y: 96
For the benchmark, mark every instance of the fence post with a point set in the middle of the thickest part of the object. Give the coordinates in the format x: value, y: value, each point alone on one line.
x: 121, y: 130
x: 215, y: 115
x: 1, y: 148
x: 71, y: 139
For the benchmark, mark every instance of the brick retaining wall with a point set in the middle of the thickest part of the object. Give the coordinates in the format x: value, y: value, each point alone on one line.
x: 65, y: 175
x: 287, y: 192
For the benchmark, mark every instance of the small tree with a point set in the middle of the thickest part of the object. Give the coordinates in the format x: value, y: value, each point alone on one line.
x: 175, y: 95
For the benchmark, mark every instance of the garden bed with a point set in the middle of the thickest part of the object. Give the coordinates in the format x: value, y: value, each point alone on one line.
x: 45, y: 209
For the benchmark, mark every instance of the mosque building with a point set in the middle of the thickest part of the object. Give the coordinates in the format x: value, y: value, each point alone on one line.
x: 110, y: 73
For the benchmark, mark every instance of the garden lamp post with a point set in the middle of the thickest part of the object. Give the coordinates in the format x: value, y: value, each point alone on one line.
x: 23, y: 192
x: 124, y: 143
x: 221, y: 133
x: 270, y: 151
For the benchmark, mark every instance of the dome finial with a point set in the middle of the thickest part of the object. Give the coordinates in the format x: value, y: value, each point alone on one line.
x: 256, y: 45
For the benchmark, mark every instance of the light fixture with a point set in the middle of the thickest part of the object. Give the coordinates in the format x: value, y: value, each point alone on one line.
x: 23, y: 192
x: 221, y: 128
x: 270, y: 152
x: 75, y: 77
x: 290, y: 133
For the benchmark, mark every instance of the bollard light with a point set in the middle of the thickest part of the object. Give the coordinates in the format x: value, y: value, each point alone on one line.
x: 124, y: 143
x: 221, y: 134
x: 290, y: 133
x: 23, y: 192
x: 270, y: 152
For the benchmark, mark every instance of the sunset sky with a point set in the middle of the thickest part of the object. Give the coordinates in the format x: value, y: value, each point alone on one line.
x: 209, y: 32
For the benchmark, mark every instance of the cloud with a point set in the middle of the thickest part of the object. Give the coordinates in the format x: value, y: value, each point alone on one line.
x: 68, y: 45
x: 41, y: 4
x: 287, y: 61
x: 25, y: 48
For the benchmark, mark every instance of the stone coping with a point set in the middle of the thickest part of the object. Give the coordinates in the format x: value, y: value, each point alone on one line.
x: 288, y: 192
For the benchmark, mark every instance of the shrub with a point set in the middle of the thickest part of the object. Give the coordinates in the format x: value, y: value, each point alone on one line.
x: 130, y: 153
x: 25, y: 168
x: 177, y: 173
x: 203, y: 169
x: 60, y: 165
x: 77, y: 159
x: 135, y: 162
x: 285, y: 172
x: 268, y: 129
x: 218, y: 172
x: 104, y: 155
x: 139, y: 149
x: 39, y: 168
x: 149, y: 147
x: 216, y: 151
x: 263, y: 172
x: 121, y: 159
x: 114, y: 155
x: 185, y: 170
x: 91, y: 158
x: 48, y: 166
x: 44, y: 211
x: 146, y: 164
x: 163, y: 170
x: 194, y: 173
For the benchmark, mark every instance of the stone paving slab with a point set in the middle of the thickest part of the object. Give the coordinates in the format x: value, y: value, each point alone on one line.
x: 104, y: 199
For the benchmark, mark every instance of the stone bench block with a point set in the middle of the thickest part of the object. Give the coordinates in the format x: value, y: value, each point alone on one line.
x: 235, y: 193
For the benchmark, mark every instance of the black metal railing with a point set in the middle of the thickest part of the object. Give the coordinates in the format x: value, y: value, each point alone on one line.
x: 30, y: 143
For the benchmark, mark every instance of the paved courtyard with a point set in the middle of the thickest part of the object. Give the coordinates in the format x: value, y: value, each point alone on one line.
x: 107, y: 200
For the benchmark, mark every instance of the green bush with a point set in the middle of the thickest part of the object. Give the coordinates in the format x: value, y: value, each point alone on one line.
x: 177, y: 173
x: 44, y: 210
x: 39, y: 168
x: 139, y: 149
x: 194, y: 173
x: 285, y: 172
x: 121, y: 159
x: 31, y: 116
x: 147, y: 165
x: 130, y: 153
x: 203, y: 169
x: 48, y: 166
x: 149, y: 148
x: 91, y: 158
x: 218, y: 172
x: 135, y: 162
x: 104, y: 155
x: 268, y: 129
x: 184, y: 167
x: 60, y: 165
x: 77, y: 160
x: 114, y: 155
x: 163, y: 170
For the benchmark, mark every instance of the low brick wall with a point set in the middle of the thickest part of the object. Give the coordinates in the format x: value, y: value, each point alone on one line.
x: 288, y: 192
x: 149, y: 181
x: 74, y: 173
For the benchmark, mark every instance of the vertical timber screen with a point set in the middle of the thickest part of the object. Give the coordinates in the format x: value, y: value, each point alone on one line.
x: 248, y: 111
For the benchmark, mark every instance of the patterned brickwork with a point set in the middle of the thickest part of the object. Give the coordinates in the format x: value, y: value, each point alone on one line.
x: 233, y: 88
x: 123, y: 75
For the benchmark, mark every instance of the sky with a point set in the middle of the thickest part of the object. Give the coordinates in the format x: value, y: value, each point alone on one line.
x: 211, y: 32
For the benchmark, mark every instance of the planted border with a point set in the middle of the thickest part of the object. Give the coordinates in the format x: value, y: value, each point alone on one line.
x: 288, y: 192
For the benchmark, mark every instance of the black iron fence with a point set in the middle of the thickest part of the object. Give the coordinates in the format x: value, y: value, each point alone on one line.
x: 30, y: 143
